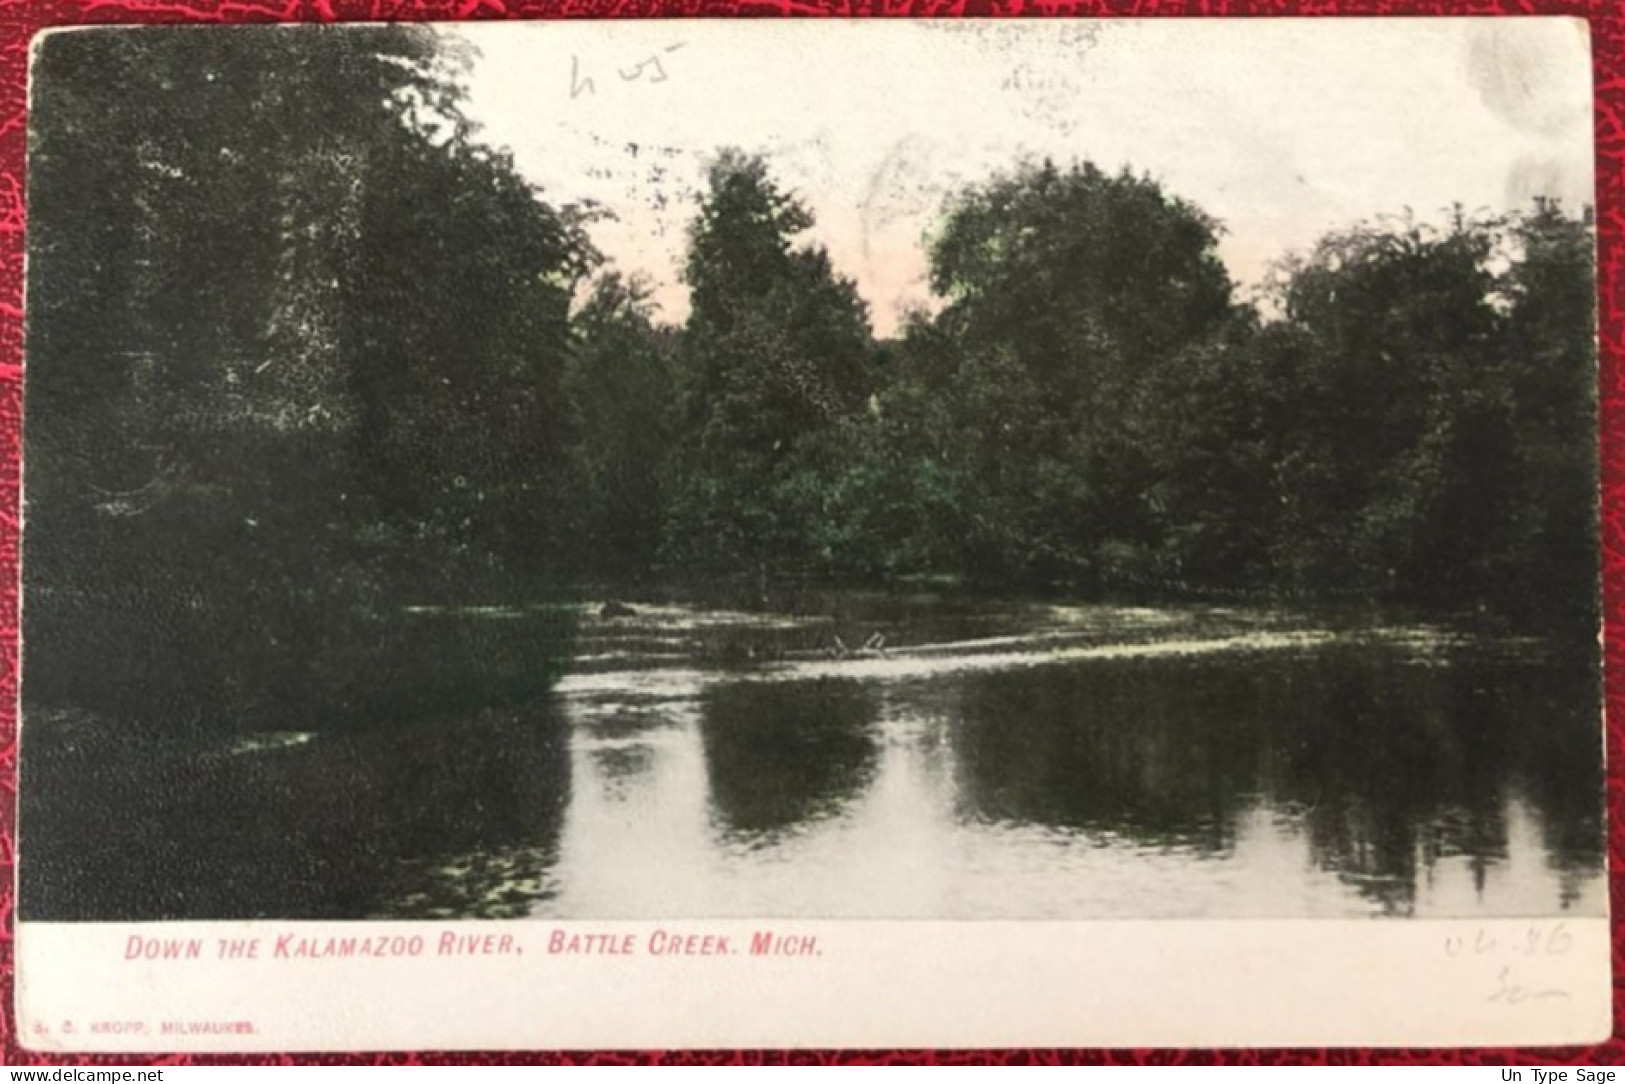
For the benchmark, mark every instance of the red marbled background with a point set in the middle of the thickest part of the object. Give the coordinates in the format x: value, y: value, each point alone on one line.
x: 20, y: 19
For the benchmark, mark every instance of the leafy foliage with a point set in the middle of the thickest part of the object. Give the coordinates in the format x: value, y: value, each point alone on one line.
x: 292, y: 313
x: 622, y: 386
x: 275, y: 392
x: 777, y: 357
x: 1067, y: 292
x: 1397, y: 432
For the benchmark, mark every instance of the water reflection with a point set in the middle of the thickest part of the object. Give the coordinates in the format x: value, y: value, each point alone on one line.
x: 781, y: 755
x: 1387, y: 769
x: 1405, y: 770
x: 431, y: 820
x: 1254, y: 771
x: 618, y: 767
x: 1130, y: 748
x: 997, y: 762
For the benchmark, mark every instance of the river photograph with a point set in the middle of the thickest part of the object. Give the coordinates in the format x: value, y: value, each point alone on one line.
x: 663, y: 471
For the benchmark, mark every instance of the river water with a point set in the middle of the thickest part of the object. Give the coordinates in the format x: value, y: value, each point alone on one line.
x: 991, y: 759
x: 1044, y: 761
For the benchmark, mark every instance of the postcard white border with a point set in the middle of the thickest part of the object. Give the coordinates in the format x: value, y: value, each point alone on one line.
x: 847, y: 984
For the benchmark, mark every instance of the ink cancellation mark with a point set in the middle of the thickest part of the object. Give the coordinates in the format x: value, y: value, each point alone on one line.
x: 584, y: 77
x: 1515, y: 955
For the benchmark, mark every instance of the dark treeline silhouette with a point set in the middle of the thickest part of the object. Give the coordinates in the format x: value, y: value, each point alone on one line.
x: 297, y: 345
x: 1407, y: 414
x: 304, y: 351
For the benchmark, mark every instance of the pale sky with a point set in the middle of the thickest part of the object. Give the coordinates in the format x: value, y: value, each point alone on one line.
x: 1280, y: 128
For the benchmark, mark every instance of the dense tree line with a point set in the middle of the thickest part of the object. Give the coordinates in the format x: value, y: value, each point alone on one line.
x: 1407, y: 414
x: 303, y: 349
x: 297, y: 346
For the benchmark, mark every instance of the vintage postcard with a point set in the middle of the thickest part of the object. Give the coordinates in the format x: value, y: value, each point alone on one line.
x: 783, y: 534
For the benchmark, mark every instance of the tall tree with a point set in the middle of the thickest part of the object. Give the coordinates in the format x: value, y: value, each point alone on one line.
x: 457, y: 353
x: 1064, y: 290
x: 777, y: 353
x: 622, y: 386
x: 249, y: 341
x: 1551, y: 348
x: 1413, y: 423
x: 1400, y: 427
